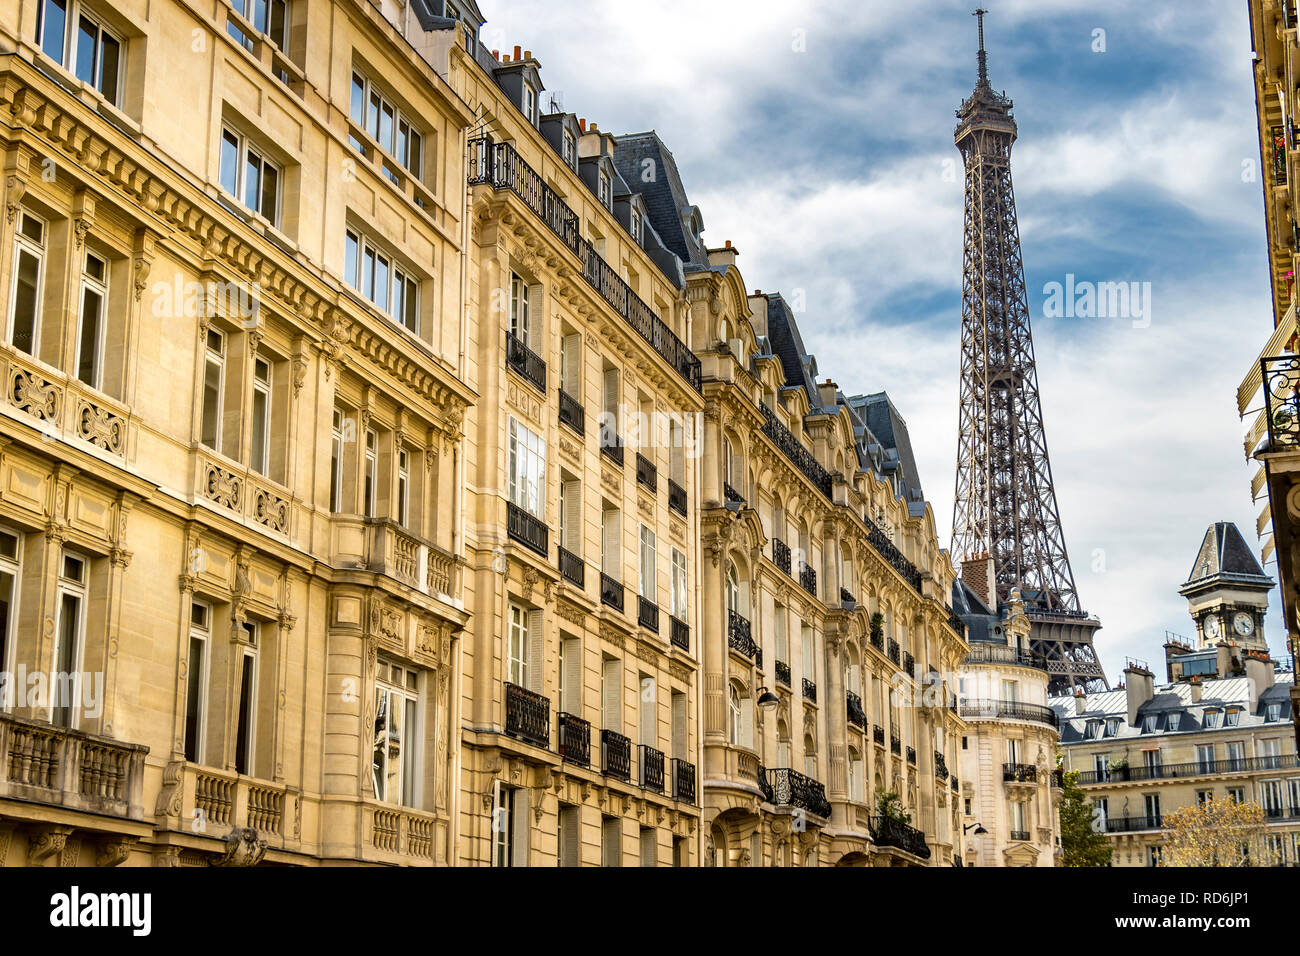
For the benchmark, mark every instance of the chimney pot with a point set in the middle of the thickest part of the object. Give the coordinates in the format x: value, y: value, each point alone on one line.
x: 516, y: 52
x: 496, y: 54
x: 728, y: 243
x: 582, y: 124
x: 528, y: 54
x: 594, y: 128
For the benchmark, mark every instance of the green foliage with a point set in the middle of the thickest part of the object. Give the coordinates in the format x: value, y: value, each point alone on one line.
x: 889, y: 805
x: 1081, y: 845
x: 877, y: 625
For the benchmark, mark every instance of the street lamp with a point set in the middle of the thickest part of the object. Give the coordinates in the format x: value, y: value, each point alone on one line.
x: 766, y: 699
x: 979, y: 828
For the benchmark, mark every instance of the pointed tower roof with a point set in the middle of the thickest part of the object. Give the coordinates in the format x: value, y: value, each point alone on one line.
x: 984, y: 107
x: 1225, y: 558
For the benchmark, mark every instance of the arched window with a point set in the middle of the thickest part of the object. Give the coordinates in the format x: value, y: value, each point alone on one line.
x: 733, y: 589
x: 855, y: 777
x: 782, y: 744
x: 740, y: 716
x: 734, y: 714
x: 809, y: 756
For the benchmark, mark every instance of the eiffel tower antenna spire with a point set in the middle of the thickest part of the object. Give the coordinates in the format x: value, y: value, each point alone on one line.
x: 983, y: 57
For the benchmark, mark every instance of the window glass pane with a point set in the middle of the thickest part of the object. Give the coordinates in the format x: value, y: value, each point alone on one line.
x: 244, y: 730
x: 386, y: 127
x: 110, y: 56
x: 381, y: 282
x: 411, y: 319
x: 88, y: 348
x: 350, y: 260
x: 87, y: 43
x: 54, y: 24
x: 368, y: 273
x: 270, y: 191
x: 260, y: 401
x: 211, y: 405
x: 6, y: 604
x: 372, y: 116
x: 277, y: 29
x: 230, y: 162
x: 194, y: 700
x: 252, y: 180
x: 25, y: 301
x: 358, y: 106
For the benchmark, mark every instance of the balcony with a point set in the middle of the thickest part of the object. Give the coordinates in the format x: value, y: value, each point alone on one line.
x: 572, y: 413
x: 1282, y: 400
x: 527, y: 529
x: 878, y: 734
x: 574, y: 737
x: 525, y: 361
x: 679, y: 633
x: 615, y: 755
x: 957, y: 624
x: 888, y: 832
x: 940, y: 765
x: 398, y: 835
x: 1200, y: 768
x: 895, y: 652
x: 652, y: 768
x: 781, y: 554
x: 1019, y: 773
x: 981, y: 653
x: 895, y: 744
x: 528, y: 715
x: 893, y: 557
x: 676, y: 498
x: 1278, y: 136
x: 683, y: 781
x: 572, y: 567
x: 956, y: 787
x: 611, y: 592
x: 847, y: 601
x: 731, y: 495
x: 646, y: 473
x: 224, y: 801
x: 1058, y: 779
x: 611, y: 446
x: 1133, y: 824
x: 809, y: 690
x: 40, y: 763
x: 857, y: 716
x: 499, y: 166
x: 1021, y: 835
x: 1012, y: 709
x: 808, y: 579
x: 909, y: 664
x: 647, y: 614
x: 790, y: 788
x: 911, y: 756
x: 738, y: 638
x: 783, y: 673
x: 799, y: 456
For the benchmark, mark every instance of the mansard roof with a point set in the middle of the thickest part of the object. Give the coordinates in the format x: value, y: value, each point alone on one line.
x: 1224, y: 558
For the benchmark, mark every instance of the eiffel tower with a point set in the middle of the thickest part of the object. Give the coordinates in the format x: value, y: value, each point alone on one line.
x: 1005, y: 504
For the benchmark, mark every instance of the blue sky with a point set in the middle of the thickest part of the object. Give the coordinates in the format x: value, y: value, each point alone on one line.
x: 817, y: 137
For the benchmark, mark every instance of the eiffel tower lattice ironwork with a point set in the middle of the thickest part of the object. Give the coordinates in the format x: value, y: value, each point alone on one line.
x: 1005, y: 502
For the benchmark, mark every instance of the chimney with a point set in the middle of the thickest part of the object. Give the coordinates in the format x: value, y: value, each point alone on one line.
x: 977, y: 574
x: 1140, y: 686
x: 726, y: 256
x: 516, y: 51
x: 1195, y: 685
x: 1223, y: 664
x: 582, y: 124
x: 1080, y: 702
x: 826, y: 392
x: 1259, y: 672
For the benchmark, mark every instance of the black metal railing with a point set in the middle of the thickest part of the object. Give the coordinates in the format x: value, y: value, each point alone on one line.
x: 676, y: 497
x: 808, y: 579
x: 615, y: 755
x: 911, y: 756
x: 679, y: 633
x: 783, y: 673
x: 956, y: 623
x: 909, y: 664
x: 893, y: 557
x: 793, y: 449
x: 527, y: 529
x: 895, y: 744
x: 1282, y: 401
x: 739, y: 639
x: 940, y: 765
x: 878, y: 639
x: 982, y: 653
x: 574, y: 737
x: 611, y: 446
x: 732, y: 495
x: 1019, y: 773
x: 1058, y: 779
x: 956, y: 787
x: 790, y: 788
x: 652, y: 768
x: 572, y: 567
x: 611, y: 592
x: 1021, y: 835
x: 781, y: 554
x: 809, y: 690
x: 886, y: 831
x: 1151, y: 821
x: 847, y: 600
x: 646, y: 472
x: 878, y: 734
x: 1278, y: 136
x: 1199, y: 768
x: 528, y: 715
x: 647, y: 614
x: 683, y: 781
x: 895, y: 652
x: 857, y: 716
x: 500, y: 166
x: 525, y: 361
x: 572, y: 413
x: 1013, y: 709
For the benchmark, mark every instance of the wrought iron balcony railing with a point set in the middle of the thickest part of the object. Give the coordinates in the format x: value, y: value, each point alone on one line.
x: 525, y: 361
x: 652, y: 769
x: 857, y: 716
x: 790, y: 788
x: 957, y: 624
x: 574, y: 737
x: 911, y: 756
x: 893, y: 557
x: 888, y: 832
x: 615, y: 755
x: 909, y: 664
x: 676, y: 497
x: 1282, y: 401
x: 983, y: 653
x: 1013, y: 709
x: 500, y: 166
x: 732, y: 495
x: 956, y: 787
x: 808, y: 579
x: 1021, y: 835
x: 878, y: 734
x: 793, y: 449
x: 528, y: 715
x: 680, y: 634
x: 940, y: 765
x: 895, y: 652
x: 781, y: 554
x: 1278, y: 135
x: 1058, y: 779
x: 611, y: 446
x: 646, y: 472
x: 647, y: 614
x: 572, y: 568
x: 527, y: 529
x: 809, y: 690
x: 783, y: 673
x: 1132, y: 824
x: 572, y: 413
x: 739, y: 639
x: 847, y: 600
x: 1019, y: 773
x: 611, y: 592
x: 1199, y: 768
x: 683, y: 781
x: 878, y: 640
x: 895, y: 744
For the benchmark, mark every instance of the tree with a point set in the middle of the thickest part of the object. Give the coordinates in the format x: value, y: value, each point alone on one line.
x: 1217, y: 833
x: 1081, y: 844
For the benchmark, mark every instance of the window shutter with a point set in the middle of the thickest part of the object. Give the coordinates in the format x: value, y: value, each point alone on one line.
x: 679, y: 726
x: 520, y: 829
x: 609, y: 392
x: 569, y: 834
x: 649, y: 698
x: 535, y: 338
x: 573, y: 516
x: 747, y: 722
x: 571, y: 357
x: 611, y: 690
x: 536, y: 653
x: 573, y: 675
x: 611, y: 547
x: 806, y: 650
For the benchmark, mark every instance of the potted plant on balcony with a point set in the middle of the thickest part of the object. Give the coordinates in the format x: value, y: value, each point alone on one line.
x: 877, y: 628
x: 1118, y: 768
x: 889, y: 807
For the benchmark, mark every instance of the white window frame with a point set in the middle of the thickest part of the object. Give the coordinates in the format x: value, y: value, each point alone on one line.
x: 403, y: 487
x: 213, y: 358
x: 517, y: 647
x: 78, y: 588
x: 74, y: 12
x: 376, y: 104
x: 263, y: 390
x: 97, y: 286
x: 36, y: 249
x: 257, y: 13
x: 647, y: 578
x: 529, y: 104
x: 635, y: 228
x: 521, y: 319
x: 200, y: 631
x: 246, y: 153
x: 370, y: 480
x: 679, y: 584
x: 12, y: 567
x: 392, y: 692
x: 251, y: 628
x: 526, y: 469
x: 604, y: 188
x: 336, y: 461
x: 400, y: 287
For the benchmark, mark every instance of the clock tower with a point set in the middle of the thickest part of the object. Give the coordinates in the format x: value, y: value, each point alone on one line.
x: 1227, y: 591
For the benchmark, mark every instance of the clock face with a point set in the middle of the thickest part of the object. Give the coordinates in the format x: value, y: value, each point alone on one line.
x: 1212, y: 626
x: 1243, y: 623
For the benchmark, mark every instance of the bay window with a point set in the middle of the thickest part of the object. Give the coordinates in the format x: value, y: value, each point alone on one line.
x: 397, y: 734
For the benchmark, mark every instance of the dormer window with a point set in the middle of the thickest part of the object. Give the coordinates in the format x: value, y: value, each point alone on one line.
x: 1149, y: 723
x: 1092, y: 730
x: 604, y: 190
x: 1212, y: 719
x: 1233, y: 717
x: 569, y: 150
x: 636, y: 226
x: 530, y: 103
x: 1112, y: 727
x: 1172, y: 722
x: 1274, y: 711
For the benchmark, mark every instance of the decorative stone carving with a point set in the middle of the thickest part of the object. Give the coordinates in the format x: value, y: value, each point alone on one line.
x: 243, y: 848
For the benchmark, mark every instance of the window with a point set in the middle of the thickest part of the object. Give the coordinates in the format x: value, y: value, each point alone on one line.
x: 1151, y: 802
x: 69, y: 630
x: 387, y: 125
x: 505, y: 816
x: 518, y: 651
x: 1237, y: 794
x: 1211, y: 719
x: 89, y: 52
x: 571, y: 365
x: 246, y: 707
x: 336, y: 463
x: 611, y: 841
x: 1203, y: 797
x: 647, y: 577
x: 571, y: 515
x: 521, y: 310
x: 1016, y: 817
x: 1233, y: 717
x: 733, y: 590
x: 268, y: 17
x: 1112, y: 727
x: 567, y: 837
x: 611, y: 693
x: 397, y: 735
x: 649, y: 847
x: 569, y: 147
x: 214, y: 387
x: 1149, y: 723
x: 1236, y: 754
x: 1273, y: 712
x: 90, y: 322
x: 1270, y: 792
x: 261, y: 424
x: 1013, y: 750
x: 740, y: 710
x: 1093, y: 730
x: 604, y: 189
x: 403, y: 487
x: 679, y: 584
x: 29, y: 273
x: 249, y: 176
x: 611, y: 542
x: 1151, y: 759
x: 196, y: 679
x: 855, y: 777
x: 373, y: 273
x: 371, y: 477
x: 526, y: 485
x: 636, y: 225
x: 1100, y: 766
x: 530, y: 103
x: 1173, y: 720
x: 570, y: 696
x: 1205, y: 757
x: 1293, y: 787
x: 9, y: 551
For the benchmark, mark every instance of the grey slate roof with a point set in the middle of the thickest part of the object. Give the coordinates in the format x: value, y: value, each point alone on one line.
x: 1224, y: 554
x: 665, y: 197
x: 887, y: 425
